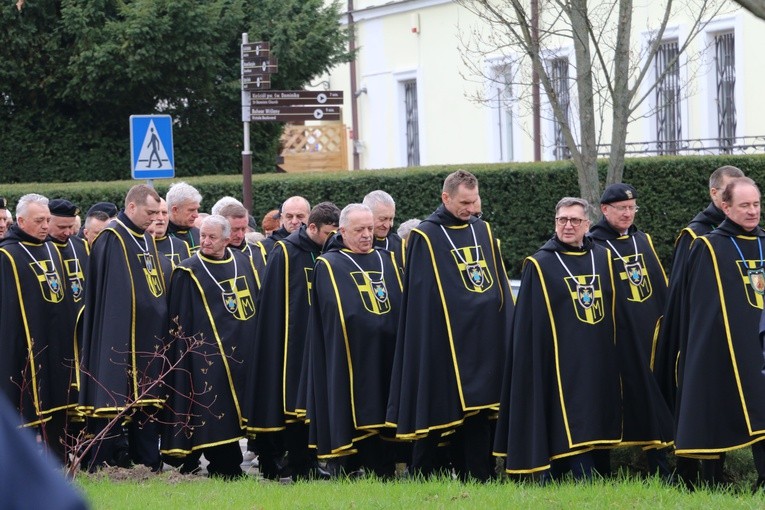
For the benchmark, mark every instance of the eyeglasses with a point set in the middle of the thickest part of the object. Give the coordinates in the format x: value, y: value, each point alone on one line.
x: 575, y: 222
x: 625, y: 208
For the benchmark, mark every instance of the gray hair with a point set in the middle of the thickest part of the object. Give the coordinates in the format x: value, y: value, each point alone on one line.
x: 570, y: 201
x: 350, y: 209
x: 716, y: 179
x: 406, y: 228
x: 180, y: 193
x: 29, y: 198
x: 254, y: 237
x: 378, y: 197
x: 217, y: 220
x: 223, y: 202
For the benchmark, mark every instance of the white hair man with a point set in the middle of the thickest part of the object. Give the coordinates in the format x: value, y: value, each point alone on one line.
x: 36, y: 324
x: 384, y: 211
x: 213, y: 295
x: 353, y: 319
x: 183, y: 202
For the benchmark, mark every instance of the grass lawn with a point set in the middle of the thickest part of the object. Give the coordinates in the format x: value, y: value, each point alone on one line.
x: 170, y: 491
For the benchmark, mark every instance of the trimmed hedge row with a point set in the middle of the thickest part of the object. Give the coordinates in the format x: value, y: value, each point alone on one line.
x: 518, y: 199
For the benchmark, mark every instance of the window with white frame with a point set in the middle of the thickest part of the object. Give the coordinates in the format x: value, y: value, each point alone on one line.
x: 412, y: 125
x: 560, y: 84
x: 725, y: 74
x: 668, y: 120
x: 503, y: 116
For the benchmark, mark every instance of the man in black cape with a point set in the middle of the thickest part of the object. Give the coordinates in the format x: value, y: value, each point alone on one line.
x: 672, y: 327
x: 124, y: 325
x: 278, y: 360
x: 74, y: 250
x: 36, y: 325
x: 183, y: 201
x: 173, y: 248
x: 238, y: 218
x: 721, y: 387
x: 384, y: 210
x: 561, y: 393
x: 452, y: 335
x: 293, y: 213
x: 212, y: 313
x: 641, y: 291
x: 355, y: 300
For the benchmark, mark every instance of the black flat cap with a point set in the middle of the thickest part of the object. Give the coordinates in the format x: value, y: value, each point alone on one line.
x: 617, y: 193
x: 107, y: 207
x: 61, y: 207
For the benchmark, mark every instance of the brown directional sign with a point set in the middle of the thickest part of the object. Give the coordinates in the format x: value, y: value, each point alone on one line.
x: 262, y: 66
x: 295, y: 113
x: 256, y: 49
x: 256, y: 82
x: 297, y: 97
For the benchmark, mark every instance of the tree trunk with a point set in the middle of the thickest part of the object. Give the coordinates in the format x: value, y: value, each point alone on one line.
x: 621, y: 94
x: 587, y: 166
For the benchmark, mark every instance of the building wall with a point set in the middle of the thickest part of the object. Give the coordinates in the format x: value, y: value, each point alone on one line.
x: 424, y: 40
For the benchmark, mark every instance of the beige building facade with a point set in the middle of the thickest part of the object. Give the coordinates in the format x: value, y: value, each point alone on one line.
x: 422, y: 97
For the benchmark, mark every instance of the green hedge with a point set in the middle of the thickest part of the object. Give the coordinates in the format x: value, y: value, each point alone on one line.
x: 518, y: 199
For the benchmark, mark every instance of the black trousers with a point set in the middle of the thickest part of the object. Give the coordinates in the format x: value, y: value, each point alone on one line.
x: 374, y: 454
x: 138, y: 442
x: 470, y: 450
x: 224, y: 460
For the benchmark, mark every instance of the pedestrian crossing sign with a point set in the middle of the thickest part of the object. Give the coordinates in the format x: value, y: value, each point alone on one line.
x: 151, y: 147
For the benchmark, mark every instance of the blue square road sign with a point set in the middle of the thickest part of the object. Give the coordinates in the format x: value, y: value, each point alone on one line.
x: 151, y: 147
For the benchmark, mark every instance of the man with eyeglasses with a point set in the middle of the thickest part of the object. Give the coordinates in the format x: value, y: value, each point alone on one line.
x: 641, y: 291
x: 561, y: 395
x: 668, y: 344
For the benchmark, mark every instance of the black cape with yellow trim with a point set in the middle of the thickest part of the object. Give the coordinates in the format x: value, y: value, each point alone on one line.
x: 721, y: 392
x: 393, y: 243
x: 454, y: 325
x: 124, y: 322
x: 189, y: 235
x: 175, y: 249
x: 255, y: 255
x: 204, y: 400
x: 641, y: 292
x: 672, y: 328
x: 36, y: 327
x: 561, y: 391
x: 75, y: 254
x: 351, y: 339
x: 267, y: 244
x: 277, y: 363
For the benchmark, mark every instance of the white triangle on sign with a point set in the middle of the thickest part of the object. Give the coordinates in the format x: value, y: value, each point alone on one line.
x: 153, y: 155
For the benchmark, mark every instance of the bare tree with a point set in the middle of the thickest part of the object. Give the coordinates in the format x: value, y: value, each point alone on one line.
x: 171, y: 356
x: 613, y: 74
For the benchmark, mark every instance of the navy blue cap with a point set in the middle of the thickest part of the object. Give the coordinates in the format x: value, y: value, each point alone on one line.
x: 63, y: 208
x: 618, y: 193
x: 107, y: 207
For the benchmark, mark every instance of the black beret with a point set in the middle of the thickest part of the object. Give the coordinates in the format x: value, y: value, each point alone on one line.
x: 107, y: 207
x: 3, y: 203
x: 617, y: 193
x: 61, y: 207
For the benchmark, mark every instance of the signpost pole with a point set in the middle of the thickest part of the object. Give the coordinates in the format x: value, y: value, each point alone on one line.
x: 246, y: 152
